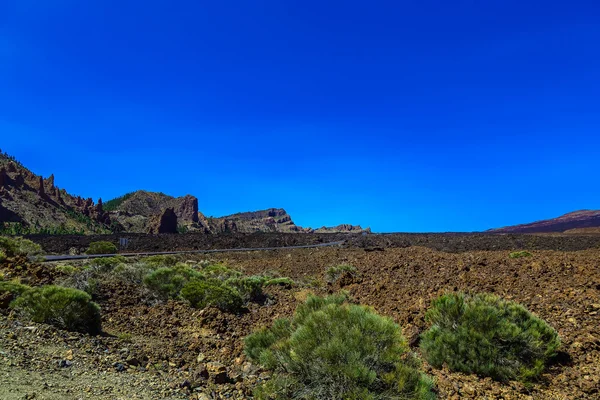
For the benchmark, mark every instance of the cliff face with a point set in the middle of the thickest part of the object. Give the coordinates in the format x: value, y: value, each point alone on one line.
x: 38, y: 204
x: 271, y: 220
x: 584, y: 220
x: 134, y: 211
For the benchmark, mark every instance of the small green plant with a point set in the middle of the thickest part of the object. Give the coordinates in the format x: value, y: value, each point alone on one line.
x: 65, y: 269
x: 133, y: 273
x: 219, y: 271
x: 489, y: 336
x: 2, y: 255
x: 101, y: 247
x: 248, y: 287
x: 168, y: 282
x: 107, y: 263
x: 334, y: 273
x: 285, y: 282
x: 159, y: 261
x: 124, y: 337
x: 334, y: 350
x: 17, y: 246
x: 201, y: 294
x: 65, y: 308
x: 10, y: 290
x: 520, y: 254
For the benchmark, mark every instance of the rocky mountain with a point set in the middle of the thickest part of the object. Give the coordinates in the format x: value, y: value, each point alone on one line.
x: 583, y: 221
x: 271, y: 220
x: 30, y: 203
x: 137, y: 212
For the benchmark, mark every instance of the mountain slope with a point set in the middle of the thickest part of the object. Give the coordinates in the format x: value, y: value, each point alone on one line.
x: 573, y: 221
x: 31, y: 204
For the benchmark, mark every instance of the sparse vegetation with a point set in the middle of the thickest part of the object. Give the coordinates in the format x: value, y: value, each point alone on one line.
x: 520, y: 254
x: 201, y: 294
x: 66, y: 269
x: 101, y: 247
x: 18, y: 246
x: 334, y: 350
x: 334, y: 273
x: 489, y: 336
x: 285, y: 282
x: 65, y: 308
x: 167, y: 282
x: 112, y: 205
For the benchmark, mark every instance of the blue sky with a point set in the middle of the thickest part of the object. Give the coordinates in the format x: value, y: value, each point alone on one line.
x: 399, y: 115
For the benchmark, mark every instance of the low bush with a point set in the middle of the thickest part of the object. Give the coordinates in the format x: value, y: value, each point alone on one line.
x: 66, y: 269
x: 17, y: 246
x: 334, y: 273
x: 108, y: 263
x: 334, y: 350
x: 285, y: 282
x: 201, y: 294
x: 168, y: 282
x: 489, y: 336
x: 101, y: 247
x: 248, y: 287
x: 158, y: 261
x: 65, y: 308
x: 132, y: 273
x: 219, y: 271
x: 520, y: 254
x: 10, y: 290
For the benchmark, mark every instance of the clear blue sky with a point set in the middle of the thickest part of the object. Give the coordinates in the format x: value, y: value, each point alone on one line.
x: 401, y: 115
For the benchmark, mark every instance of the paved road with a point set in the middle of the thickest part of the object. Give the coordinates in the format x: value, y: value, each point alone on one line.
x: 89, y: 256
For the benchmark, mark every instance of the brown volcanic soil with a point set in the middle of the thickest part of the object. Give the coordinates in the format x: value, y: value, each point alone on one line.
x: 561, y: 287
x: 449, y: 242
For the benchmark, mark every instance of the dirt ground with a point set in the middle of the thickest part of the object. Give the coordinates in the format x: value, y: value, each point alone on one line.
x: 171, y: 351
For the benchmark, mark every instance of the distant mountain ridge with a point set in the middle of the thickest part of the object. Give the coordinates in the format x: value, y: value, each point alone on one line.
x: 31, y: 204
x: 582, y: 221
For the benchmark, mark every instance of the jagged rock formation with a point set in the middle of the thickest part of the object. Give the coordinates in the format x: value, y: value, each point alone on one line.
x: 165, y: 222
x: 571, y: 222
x: 134, y: 210
x: 271, y: 220
x: 36, y: 203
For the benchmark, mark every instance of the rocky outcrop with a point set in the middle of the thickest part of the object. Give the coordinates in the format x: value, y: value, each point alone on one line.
x: 41, y: 191
x: 3, y: 177
x: 165, y: 222
x: 187, y: 209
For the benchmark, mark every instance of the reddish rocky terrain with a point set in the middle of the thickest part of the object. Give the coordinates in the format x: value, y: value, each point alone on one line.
x: 573, y: 221
x: 159, y: 350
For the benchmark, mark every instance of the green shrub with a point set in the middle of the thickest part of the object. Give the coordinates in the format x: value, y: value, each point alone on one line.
x: 489, y: 336
x: 168, y: 282
x: 2, y: 255
x: 334, y: 350
x: 66, y: 269
x: 285, y: 282
x: 101, y: 247
x: 108, y: 263
x: 520, y: 254
x: 158, y: 261
x: 17, y: 246
x: 132, y: 273
x: 201, y: 294
x: 219, y: 271
x: 65, y: 308
x: 334, y: 273
x: 249, y: 287
x: 9, y: 291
